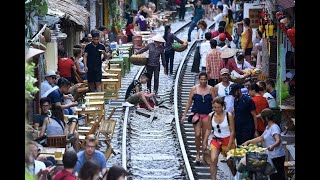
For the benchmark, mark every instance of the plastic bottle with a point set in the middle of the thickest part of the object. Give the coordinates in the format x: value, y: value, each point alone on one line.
x: 120, y: 42
x: 120, y: 54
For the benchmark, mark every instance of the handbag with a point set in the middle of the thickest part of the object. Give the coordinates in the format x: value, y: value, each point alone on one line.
x: 190, y: 118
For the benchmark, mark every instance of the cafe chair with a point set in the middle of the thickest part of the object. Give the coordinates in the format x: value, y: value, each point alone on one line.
x: 57, y: 141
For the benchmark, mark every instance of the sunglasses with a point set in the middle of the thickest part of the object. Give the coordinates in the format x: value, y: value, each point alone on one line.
x: 219, y: 130
x: 226, y: 91
x: 53, y: 77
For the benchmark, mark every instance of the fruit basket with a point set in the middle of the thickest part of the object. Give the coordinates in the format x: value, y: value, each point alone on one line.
x: 179, y: 47
x: 139, y: 59
x: 238, y: 80
x: 256, y: 161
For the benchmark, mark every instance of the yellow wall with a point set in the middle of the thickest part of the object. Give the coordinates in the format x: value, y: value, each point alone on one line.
x: 51, y: 55
x: 105, y: 12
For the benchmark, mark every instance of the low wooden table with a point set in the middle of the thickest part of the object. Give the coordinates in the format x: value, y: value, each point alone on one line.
x: 49, y: 151
x: 89, y: 111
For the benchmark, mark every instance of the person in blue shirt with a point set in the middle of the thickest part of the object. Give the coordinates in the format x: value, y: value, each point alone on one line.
x: 198, y: 14
x: 272, y: 139
x: 271, y: 88
x: 90, y: 152
x: 244, y: 115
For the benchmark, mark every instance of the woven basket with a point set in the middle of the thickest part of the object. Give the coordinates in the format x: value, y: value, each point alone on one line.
x: 139, y: 61
x: 238, y: 80
x: 181, y: 48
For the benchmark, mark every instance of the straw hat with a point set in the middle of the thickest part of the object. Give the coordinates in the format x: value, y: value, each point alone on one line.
x: 32, y: 52
x: 158, y: 38
x: 228, y: 52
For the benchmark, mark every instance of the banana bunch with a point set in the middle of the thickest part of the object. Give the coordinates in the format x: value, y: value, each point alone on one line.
x: 238, y: 152
x: 254, y: 148
x: 242, y: 150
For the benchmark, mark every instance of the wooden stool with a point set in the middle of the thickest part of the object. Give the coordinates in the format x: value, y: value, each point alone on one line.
x: 115, y: 71
x: 114, y: 66
x: 119, y: 61
x: 110, y: 87
x: 112, y: 76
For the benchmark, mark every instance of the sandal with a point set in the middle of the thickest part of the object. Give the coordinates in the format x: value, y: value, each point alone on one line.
x: 198, y: 160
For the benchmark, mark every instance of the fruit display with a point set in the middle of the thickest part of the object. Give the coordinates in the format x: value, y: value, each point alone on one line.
x: 254, y: 71
x: 254, y: 148
x: 242, y: 150
x: 179, y: 47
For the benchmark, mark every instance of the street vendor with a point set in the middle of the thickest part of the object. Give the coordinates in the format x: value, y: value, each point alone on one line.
x: 272, y: 140
x: 156, y: 49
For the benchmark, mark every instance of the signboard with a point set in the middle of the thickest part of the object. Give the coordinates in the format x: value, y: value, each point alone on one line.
x: 254, y: 17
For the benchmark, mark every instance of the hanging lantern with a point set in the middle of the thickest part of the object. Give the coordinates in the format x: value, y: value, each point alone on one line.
x: 270, y: 29
x: 291, y: 33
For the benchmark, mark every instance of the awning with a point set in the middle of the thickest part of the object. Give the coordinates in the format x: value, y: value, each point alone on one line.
x: 285, y: 4
x: 69, y: 9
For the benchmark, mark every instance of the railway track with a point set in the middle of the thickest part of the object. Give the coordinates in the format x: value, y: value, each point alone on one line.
x: 154, y: 145
x: 184, y: 81
x: 121, y: 115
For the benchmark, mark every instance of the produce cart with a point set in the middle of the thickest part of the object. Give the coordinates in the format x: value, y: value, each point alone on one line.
x: 251, y: 162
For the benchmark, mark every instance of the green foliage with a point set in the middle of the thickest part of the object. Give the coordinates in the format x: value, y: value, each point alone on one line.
x: 30, y: 89
x: 284, y: 91
x: 33, y: 8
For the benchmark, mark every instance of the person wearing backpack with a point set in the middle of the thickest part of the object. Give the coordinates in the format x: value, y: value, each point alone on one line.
x: 222, y: 124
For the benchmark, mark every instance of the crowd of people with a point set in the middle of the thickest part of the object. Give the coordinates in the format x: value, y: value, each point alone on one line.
x: 238, y: 113
x: 234, y: 113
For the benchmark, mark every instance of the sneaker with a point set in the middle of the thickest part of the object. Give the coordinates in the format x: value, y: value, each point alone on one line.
x: 71, y: 138
x: 223, y: 159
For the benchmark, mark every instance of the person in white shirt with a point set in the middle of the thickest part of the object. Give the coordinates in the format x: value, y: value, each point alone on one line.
x: 204, y: 49
x: 225, y: 8
x: 218, y: 17
x: 242, y: 64
x: 49, y: 82
x: 33, y: 166
x: 271, y: 101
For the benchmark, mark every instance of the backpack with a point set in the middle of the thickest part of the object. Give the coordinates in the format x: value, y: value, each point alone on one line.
x: 212, y: 119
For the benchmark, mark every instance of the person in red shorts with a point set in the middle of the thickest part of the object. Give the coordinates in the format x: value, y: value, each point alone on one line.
x: 222, y: 123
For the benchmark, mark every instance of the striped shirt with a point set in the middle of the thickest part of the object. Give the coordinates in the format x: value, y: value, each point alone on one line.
x: 213, y: 64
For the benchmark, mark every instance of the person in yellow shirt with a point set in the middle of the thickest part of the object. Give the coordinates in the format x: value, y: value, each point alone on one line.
x: 246, y: 39
x: 229, y: 22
